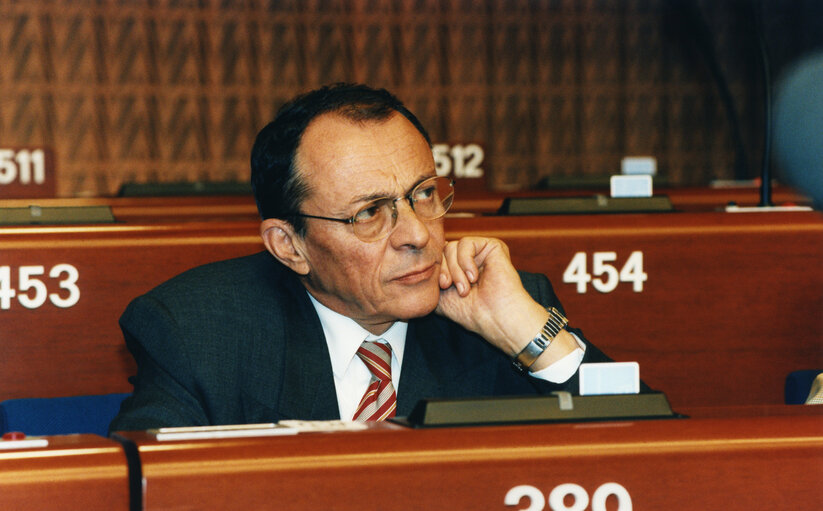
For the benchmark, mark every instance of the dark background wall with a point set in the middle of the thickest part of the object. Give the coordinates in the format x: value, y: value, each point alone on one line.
x: 175, y: 90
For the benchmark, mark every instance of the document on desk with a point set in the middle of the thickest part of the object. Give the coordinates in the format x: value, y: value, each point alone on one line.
x: 323, y: 426
x: 26, y: 443
x: 600, y: 378
x: 225, y: 431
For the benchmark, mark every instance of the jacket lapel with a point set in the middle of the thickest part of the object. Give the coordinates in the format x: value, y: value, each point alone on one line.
x: 308, y: 382
x: 425, y: 372
x: 307, y: 390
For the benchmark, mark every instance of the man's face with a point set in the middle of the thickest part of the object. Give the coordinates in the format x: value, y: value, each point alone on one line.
x: 346, y: 165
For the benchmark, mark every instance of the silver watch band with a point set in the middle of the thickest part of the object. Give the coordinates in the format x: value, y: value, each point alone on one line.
x: 541, y: 341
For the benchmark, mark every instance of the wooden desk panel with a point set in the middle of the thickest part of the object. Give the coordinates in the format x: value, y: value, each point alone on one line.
x: 732, y: 303
x: 682, y: 199
x: 82, y: 472
x: 53, y: 351
x: 746, y: 461
x: 478, y: 201
x: 157, y: 209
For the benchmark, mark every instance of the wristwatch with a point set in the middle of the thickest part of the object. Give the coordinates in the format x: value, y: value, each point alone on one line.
x: 541, y: 341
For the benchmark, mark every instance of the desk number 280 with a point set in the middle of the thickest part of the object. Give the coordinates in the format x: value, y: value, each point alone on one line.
x: 32, y: 292
x: 604, y: 275
x: 558, y: 498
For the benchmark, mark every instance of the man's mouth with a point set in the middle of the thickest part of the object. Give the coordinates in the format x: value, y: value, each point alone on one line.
x: 418, y: 275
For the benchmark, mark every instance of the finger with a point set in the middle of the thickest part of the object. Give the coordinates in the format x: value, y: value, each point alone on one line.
x: 458, y: 276
x: 467, y: 251
x: 445, y: 278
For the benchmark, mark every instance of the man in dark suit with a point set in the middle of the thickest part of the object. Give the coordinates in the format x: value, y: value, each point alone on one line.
x: 352, y: 211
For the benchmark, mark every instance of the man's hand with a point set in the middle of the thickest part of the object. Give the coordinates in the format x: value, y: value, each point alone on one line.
x: 481, y: 290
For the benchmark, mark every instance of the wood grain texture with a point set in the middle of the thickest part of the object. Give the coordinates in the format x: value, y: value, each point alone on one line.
x: 745, y: 460
x: 169, y: 91
x: 75, y: 472
x: 731, y: 305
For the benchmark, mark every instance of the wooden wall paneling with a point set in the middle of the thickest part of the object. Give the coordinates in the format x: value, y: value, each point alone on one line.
x: 172, y: 91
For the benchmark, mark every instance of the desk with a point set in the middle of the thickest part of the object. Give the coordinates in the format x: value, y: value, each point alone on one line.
x: 731, y: 303
x: 66, y: 340
x: 156, y: 209
x: 682, y: 199
x: 82, y: 472
x: 745, y: 459
x: 471, y: 200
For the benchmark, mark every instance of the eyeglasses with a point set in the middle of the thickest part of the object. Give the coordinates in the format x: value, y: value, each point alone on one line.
x: 429, y: 200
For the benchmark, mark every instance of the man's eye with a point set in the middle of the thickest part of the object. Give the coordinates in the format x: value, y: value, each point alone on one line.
x: 369, y: 213
x: 425, y: 193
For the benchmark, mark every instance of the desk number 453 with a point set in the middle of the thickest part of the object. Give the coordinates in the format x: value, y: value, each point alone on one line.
x: 604, y: 275
x: 31, y: 290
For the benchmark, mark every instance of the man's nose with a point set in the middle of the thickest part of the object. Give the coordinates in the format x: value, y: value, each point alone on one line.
x: 410, y: 231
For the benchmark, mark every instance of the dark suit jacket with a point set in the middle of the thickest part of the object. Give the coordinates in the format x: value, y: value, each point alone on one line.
x: 239, y: 341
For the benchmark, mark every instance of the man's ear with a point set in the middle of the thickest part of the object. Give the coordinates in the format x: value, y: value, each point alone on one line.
x: 284, y: 244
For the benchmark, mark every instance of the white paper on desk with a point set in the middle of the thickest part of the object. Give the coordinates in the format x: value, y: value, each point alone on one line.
x: 323, y: 426
x: 26, y: 443
x: 609, y: 378
x: 631, y: 186
x: 227, y: 431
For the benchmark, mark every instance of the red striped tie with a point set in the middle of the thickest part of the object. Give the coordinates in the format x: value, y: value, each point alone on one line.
x: 380, y: 401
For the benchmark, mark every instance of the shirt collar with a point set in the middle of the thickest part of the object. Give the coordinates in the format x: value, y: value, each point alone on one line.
x: 344, y: 336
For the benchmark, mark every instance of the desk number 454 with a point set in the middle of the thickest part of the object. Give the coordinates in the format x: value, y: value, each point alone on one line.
x: 604, y: 275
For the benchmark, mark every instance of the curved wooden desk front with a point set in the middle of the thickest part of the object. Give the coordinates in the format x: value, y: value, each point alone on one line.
x: 745, y: 459
x: 74, y: 472
x: 730, y: 303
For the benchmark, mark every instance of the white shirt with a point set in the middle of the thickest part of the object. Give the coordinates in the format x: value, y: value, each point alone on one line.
x: 351, y: 376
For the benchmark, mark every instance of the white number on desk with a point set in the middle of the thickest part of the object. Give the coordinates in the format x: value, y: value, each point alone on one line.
x: 557, y: 497
x: 32, y: 291
x: 463, y: 160
x: 604, y: 276
x: 25, y: 165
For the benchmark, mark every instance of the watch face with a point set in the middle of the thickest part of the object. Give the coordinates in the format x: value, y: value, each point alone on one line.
x: 533, y: 350
x: 542, y: 340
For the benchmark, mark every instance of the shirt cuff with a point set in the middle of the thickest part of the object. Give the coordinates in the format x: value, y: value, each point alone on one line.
x: 563, y: 369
